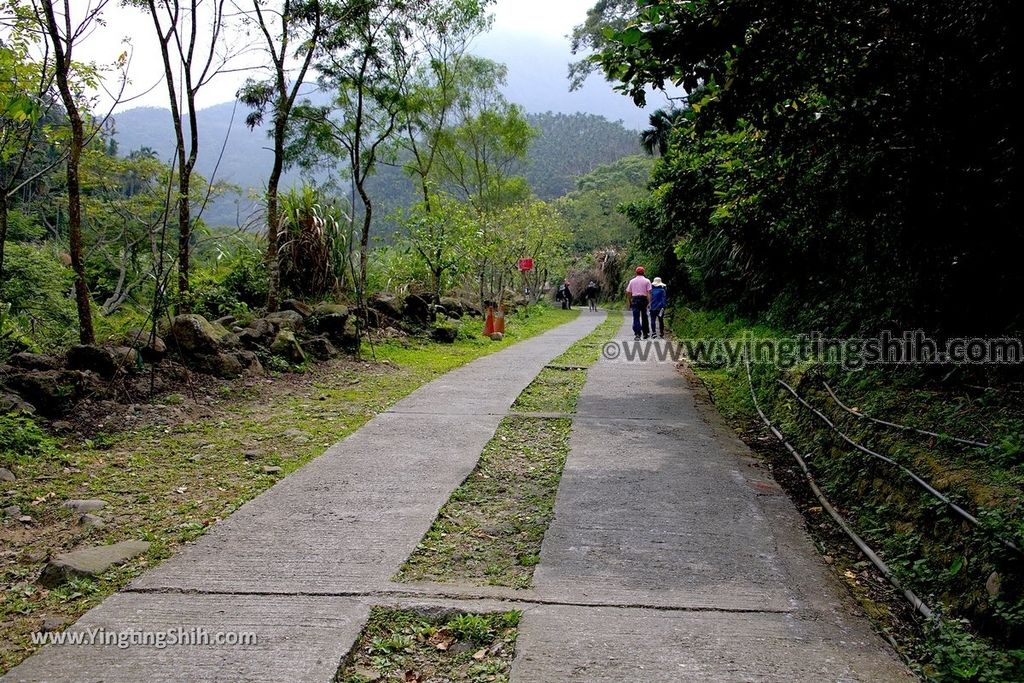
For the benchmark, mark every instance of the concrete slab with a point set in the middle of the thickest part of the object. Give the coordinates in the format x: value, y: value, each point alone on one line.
x: 660, y: 507
x: 297, y: 639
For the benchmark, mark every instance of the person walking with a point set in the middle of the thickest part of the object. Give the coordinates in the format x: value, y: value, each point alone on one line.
x: 590, y: 294
x: 564, y: 295
x: 659, y: 301
x: 638, y: 296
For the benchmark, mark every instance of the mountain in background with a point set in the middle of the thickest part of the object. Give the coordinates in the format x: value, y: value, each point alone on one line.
x: 578, y: 132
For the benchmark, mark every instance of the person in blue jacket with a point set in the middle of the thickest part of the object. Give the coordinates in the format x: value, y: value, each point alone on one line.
x: 659, y: 301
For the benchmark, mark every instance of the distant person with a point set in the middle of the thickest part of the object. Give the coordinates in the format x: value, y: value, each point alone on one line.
x: 638, y: 296
x: 564, y: 294
x: 590, y: 294
x: 659, y: 301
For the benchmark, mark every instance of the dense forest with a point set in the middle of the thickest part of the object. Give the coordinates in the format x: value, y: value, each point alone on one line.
x: 829, y: 155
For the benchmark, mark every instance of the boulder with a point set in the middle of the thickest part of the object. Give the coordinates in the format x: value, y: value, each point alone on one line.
x: 387, y: 305
x: 285, y: 320
x: 258, y: 335
x: 99, y: 359
x: 193, y: 334
x: 226, y: 321
x: 300, y: 307
x: 497, y: 336
x: 328, y: 319
x: 418, y: 309
x: 286, y: 346
x: 221, y: 364
x: 445, y: 334
x: 12, y: 403
x: 250, y: 362
x: 348, y: 339
x: 33, y: 361
x: 7, y: 475
x: 89, y: 561
x: 152, y: 351
x: 320, y: 348
x: 53, y: 391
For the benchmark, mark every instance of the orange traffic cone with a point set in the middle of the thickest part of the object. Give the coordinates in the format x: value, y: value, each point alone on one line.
x: 489, y: 322
x: 499, y: 320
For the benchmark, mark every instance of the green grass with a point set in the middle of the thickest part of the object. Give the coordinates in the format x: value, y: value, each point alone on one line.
x: 169, y: 484
x: 401, y: 645
x: 490, y: 530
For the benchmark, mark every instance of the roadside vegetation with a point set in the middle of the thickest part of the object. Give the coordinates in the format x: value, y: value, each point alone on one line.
x: 965, y: 573
x: 402, y: 646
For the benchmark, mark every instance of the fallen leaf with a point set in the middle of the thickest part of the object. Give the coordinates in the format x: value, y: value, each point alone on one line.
x: 412, y: 676
x: 479, y: 655
x: 442, y: 639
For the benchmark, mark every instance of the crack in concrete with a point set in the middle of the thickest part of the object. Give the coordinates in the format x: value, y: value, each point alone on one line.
x: 460, y: 597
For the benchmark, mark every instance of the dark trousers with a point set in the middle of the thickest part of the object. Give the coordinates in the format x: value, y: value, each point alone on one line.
x: 640, y: 321
x: 658, y: 320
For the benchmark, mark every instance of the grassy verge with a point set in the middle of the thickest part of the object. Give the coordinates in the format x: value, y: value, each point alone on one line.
x: 964, y: 572
x: 402, y: 646
x: 189, y: 464
x: 490, y: 530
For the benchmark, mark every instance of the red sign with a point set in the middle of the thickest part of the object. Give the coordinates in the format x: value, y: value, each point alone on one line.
x: 525, y: 264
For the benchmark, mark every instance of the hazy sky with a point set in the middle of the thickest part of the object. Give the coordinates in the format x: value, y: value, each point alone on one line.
x: 541, y: 20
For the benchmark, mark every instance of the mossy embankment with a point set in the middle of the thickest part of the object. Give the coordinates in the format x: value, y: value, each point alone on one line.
x: 964, y: 572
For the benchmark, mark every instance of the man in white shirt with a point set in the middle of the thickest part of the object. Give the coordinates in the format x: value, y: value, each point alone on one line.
x: 638, y: 296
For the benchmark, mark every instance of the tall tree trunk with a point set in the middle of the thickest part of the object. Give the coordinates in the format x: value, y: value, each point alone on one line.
x: 4, y: 218
x: 274, y: 217
x: 184, y: 241
x: 62, y: 61
x: 364, y: 238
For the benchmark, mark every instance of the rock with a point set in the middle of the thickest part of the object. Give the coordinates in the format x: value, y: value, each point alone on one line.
x: 99, y: 359
x: 89, y: 561
x: 82, y: 506
x: 445, y: 334
x: 270, y: 469
x: 286, y: 346
x: 367, y: 674
x: 453, y: 306
x: 258, y: 335
x: 329, y: 319
x: 52, y: 624
x: 293, y: 433
x: 320, y: 348
x: 994, y: 584
x: 12, y: 511
x: 193, y: 334
x: 222, y: 364
x: 53, y: 391
x: 12, y: 403
x: 7, y: 475
x: 33, y: 361
x: 250, y: 362
x: 251, y: 455
x: 387, y: 305
x: 497, y: 336
x: 226, y: 321
x: 152, y: 351
x: 285, y: 320
x: 90, y: 522
x: 418, y: 309
x: 300, y: 307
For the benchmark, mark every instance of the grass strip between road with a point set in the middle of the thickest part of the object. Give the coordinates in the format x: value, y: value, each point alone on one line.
x: 168, y: 482
x: 403, y: 645
x: 490, y: 530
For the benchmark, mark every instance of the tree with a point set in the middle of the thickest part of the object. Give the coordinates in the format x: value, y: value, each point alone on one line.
x: 297, y: 26
x: 655, y: 138
x: 64, y: 33
x: 195, y: 48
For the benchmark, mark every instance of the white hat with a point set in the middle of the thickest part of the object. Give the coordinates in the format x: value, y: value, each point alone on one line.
x: 657, y: 282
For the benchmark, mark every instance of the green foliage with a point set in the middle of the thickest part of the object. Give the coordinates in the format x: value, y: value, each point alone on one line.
x: 234, y: 284
x: 41, y: 313
x: 594, y: 210
x: 820, y: 153
x: 21, y: 437
x: 314, y: 248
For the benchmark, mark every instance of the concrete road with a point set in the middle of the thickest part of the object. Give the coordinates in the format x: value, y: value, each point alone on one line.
x: 672, y: 556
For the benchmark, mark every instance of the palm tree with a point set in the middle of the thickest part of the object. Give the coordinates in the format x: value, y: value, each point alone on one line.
x: 656, y: 137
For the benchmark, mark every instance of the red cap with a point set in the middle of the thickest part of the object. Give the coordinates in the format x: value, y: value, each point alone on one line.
x: 639, y: 270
